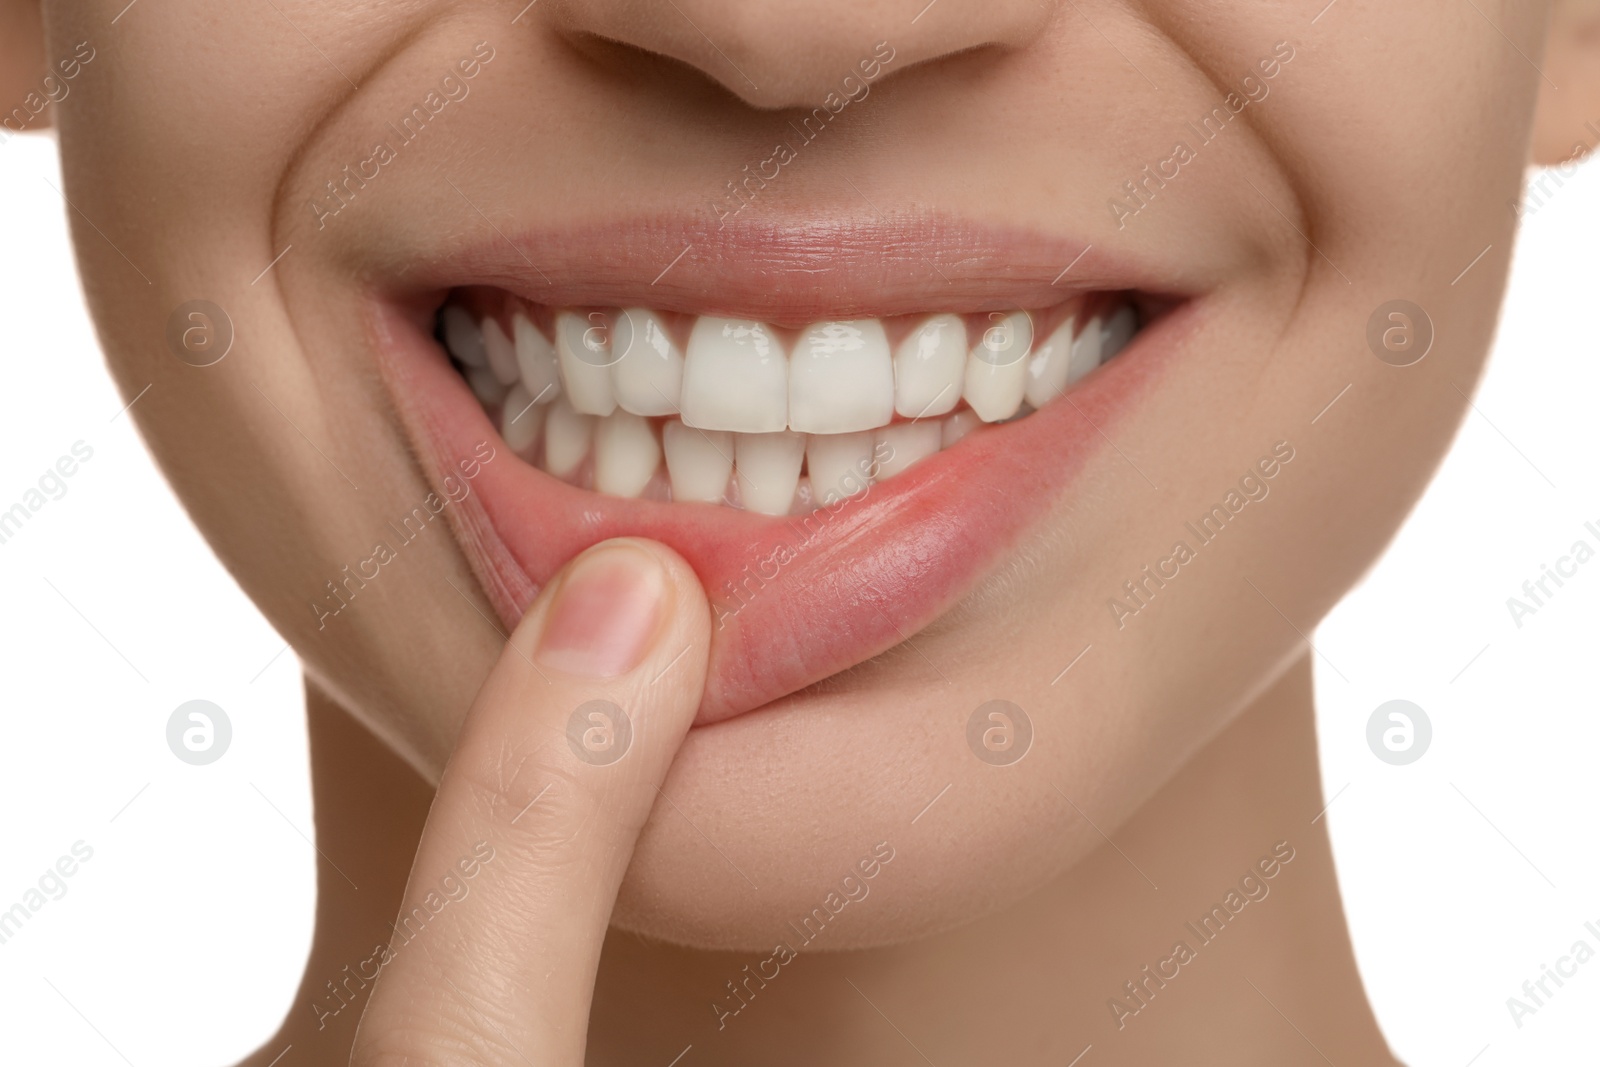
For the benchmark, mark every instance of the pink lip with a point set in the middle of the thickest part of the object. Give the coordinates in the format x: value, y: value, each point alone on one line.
x: 795, y: 599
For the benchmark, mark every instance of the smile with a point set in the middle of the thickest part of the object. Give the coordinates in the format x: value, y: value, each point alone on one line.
x: 748, y: 415
x: 842, y: 436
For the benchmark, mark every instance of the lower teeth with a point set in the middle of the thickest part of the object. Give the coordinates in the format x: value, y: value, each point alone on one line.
x: 570, y: 409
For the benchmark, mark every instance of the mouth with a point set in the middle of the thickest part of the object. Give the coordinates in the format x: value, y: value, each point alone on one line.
x: 837, y: 478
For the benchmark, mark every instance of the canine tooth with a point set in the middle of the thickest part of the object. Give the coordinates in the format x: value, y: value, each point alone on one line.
x: 1120, y: 329
x: 956, y: 427
x: 536, y: 360
x: 997, y: 368
x: 1049, y: 366
x: 698, y: 462
x: 584, y: 352
x: 930, y: 366
x: 839, y: 465
x: 485, y: 386
x: 521, y: 420
x: 841, y: 378
x: 735, y: 377
x: 1086, y: 350
x: 566, y: 439
x: 899, y: 446
x: 626, y: 454
x: 767, y: 469
x: 648, y: 374
x: 501, y: 353
x: 462, y: 338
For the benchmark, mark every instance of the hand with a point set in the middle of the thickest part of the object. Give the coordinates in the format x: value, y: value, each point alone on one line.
x: 536, y: 817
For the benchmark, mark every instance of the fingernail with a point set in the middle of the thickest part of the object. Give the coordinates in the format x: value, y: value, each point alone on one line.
x: 605, y: 613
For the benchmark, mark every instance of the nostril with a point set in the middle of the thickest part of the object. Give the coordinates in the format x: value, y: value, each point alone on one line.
x: 785, y: 56
x: 644, y: 70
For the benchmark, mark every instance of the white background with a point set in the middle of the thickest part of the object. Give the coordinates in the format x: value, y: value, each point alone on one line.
x: 181, y: 940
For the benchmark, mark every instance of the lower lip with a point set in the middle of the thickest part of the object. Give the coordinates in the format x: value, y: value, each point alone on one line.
x: 797, y: 599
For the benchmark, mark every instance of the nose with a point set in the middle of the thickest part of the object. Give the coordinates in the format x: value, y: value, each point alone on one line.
x: 776, y: 54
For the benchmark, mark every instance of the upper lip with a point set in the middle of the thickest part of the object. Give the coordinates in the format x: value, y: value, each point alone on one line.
x: 788, y: 271
x: 889, y: 563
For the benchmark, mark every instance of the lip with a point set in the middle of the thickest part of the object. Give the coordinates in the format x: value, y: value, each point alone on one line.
x: 797, y: 599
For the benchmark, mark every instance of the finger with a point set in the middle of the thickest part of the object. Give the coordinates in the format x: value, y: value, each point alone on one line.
x: 556, y: 769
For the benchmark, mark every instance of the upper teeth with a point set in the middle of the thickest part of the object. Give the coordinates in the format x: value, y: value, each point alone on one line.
x: 747, y: 398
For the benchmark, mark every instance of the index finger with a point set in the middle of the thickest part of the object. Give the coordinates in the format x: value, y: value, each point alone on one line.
x: 555, y: 771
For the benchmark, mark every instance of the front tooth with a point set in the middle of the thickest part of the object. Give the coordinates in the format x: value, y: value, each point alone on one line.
x: 735, y: 377
x: 899, y: 446
x: 521, y: 420
x: 956, y: 427
x: 626, y: 454
x: 997, y: 368
x: 648, y: 374
x: 1049, y: 366
x: 767, y: 468
x: 1086, y: 350
x: 841, y: 378
x: 536, y: 360
x: 566, y: 439
x: 584, y: 352
x: 501, y: 353
x: 838, y: 465
x: 929, y: 367
x: 462, y: 338
x: 698, y: 462
x: 1120, y: 329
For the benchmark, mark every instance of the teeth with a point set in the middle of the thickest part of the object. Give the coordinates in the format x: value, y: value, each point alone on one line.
x: 462, y: 337
x: 1120, y: 329
x: 767, y: 469
x: 501, y: 353
x: 930, y: 366
x: 584, y: 352
x: 648, y: 374
x: 1085, y: 351
x: 838, y: 465
x: 735, y: 377
x: 841, y: 378
x: 566, y: 439
x: 536, y: 360
x: 521, y: 420
x: 1049, y: 366
x: 997, y: 368
x: 901, y: 445
x: 698, y: 462
x: 485, y: 386
x: 751, y: 414
x: 956, y: 427
x: 626, y: 454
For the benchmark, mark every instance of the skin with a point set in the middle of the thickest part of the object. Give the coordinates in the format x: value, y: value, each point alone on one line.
x: 1380, y: 165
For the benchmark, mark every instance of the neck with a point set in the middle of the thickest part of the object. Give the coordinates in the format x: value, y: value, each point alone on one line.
x: 1154, y: 947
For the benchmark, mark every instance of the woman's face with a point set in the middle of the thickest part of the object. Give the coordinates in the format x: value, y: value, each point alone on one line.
x: 1256, y: 182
